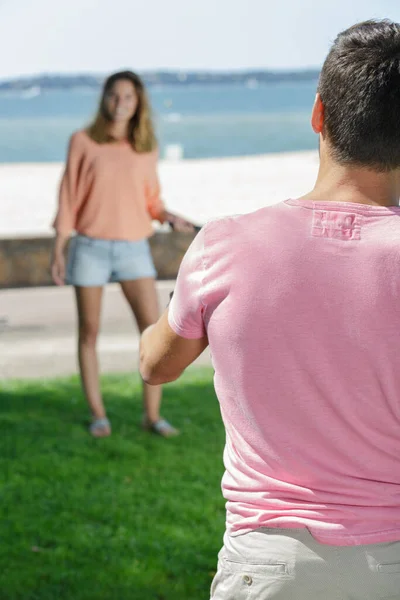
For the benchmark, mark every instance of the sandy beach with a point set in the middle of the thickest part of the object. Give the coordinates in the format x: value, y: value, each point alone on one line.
x: 198, y: 189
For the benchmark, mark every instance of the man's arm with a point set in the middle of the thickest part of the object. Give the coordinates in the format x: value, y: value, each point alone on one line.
x: 164, y: 355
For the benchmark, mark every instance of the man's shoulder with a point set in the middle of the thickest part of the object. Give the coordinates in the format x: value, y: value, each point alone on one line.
x: 248, y: 224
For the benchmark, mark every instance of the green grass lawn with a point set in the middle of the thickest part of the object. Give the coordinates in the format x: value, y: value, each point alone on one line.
x: 130, y: 517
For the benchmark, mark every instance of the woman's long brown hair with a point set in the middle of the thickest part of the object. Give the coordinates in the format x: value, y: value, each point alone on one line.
x: 141, y: 131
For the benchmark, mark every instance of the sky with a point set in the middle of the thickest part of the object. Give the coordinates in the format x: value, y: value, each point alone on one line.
x: 100, y: 36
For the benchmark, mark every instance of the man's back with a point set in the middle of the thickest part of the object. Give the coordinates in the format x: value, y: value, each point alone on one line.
x: 301, y: 306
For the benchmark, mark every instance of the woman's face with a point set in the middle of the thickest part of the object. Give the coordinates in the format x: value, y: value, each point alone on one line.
x: 121, y: 101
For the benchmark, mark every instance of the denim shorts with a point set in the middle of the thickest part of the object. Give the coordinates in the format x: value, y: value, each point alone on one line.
x: 94, y: 262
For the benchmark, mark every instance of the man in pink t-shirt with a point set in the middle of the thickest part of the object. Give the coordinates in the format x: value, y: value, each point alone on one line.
x: 300, y: 305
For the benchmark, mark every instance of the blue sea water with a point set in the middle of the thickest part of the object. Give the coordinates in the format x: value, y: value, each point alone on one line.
x: 206, y: 121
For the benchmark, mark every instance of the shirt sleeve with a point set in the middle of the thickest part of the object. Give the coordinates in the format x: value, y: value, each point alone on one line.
x: 155, y: 205
x: 186, y: 309
x: 69, y: 196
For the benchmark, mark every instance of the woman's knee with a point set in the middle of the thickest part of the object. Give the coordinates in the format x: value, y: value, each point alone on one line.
x: 88, y: 333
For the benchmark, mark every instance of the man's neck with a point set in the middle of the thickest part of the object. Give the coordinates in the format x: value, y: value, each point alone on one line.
x: 337, y: 183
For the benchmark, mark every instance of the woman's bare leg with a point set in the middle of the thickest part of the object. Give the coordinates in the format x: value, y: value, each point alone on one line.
x: 142, y: 297
x: 88, y: 301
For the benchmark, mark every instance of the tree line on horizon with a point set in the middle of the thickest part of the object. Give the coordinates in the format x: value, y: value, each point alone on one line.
x: 160, y: 78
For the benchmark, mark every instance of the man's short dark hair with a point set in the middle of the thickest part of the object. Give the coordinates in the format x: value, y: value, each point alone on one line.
x: 360, y: 89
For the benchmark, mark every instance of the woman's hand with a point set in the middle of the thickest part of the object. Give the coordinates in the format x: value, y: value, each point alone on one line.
x: 58, y: 268
x: 58, y: 259
x: 180, y: 224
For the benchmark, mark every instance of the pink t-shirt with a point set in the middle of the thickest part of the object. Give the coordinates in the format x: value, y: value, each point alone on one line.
x: 301, y: 305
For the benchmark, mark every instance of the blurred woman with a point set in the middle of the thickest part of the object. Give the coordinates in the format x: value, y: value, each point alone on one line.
x: 109, y: 195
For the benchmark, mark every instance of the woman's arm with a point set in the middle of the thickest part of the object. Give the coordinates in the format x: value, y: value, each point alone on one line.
x: 155, y: 205
x: 58, y: 259
x: 69, y: 194
x: 178, y: 223
x: 68, y: 200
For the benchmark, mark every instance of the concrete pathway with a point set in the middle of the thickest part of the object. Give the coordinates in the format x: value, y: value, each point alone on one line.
x: 38, y: 332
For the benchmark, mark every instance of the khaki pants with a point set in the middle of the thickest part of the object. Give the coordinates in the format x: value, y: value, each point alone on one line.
x: 289, y: 564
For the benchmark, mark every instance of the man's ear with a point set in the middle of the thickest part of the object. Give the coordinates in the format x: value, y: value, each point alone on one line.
x: 317, y: 115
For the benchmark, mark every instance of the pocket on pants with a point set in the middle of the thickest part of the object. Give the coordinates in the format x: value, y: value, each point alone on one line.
x: 384, y: 568
x: 384, y: 558
x: 389, y: 568
x: 248, y: 580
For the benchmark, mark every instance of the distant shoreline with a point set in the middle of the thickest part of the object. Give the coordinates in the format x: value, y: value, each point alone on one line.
x: 177, y: 78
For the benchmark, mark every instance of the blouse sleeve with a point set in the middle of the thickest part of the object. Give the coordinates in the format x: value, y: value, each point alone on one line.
x: 69, y: 193
x: 155, y: 205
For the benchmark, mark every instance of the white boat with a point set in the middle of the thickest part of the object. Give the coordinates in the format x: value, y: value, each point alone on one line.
x: 252, y: 83
x: 31, y: 92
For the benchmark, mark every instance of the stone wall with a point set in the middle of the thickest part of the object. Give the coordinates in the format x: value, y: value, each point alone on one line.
x: 25, y: 262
